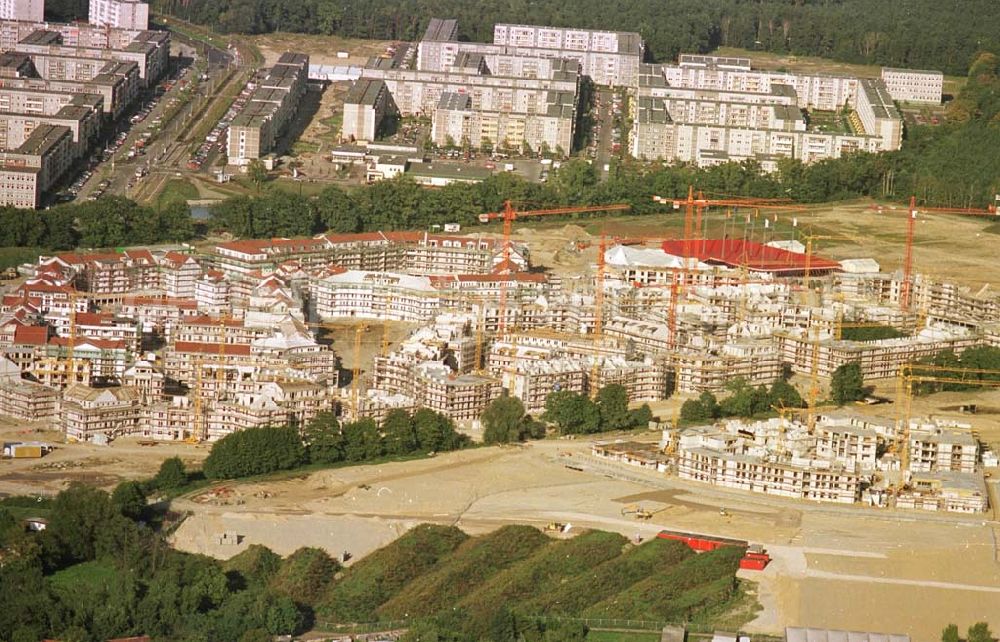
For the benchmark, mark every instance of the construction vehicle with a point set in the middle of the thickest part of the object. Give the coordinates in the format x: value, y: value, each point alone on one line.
x: 557, y: 527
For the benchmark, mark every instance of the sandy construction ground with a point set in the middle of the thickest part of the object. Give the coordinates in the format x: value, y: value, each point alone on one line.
x: 840, y: 567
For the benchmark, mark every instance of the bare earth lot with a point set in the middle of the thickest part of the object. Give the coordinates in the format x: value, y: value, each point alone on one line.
x: 834, y: 567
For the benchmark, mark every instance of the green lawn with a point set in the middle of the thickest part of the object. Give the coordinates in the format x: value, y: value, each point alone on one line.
x: 176, y: 189
x: 14, y: 256
x: 88, y: 576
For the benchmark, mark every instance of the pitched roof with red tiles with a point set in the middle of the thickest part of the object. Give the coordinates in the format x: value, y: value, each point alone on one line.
x: 211, y: 348
x: 80, y: 341
x: 35, y: 335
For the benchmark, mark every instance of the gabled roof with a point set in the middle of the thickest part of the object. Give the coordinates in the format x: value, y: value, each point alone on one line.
x: 34, y: 335
x: 211, y: 348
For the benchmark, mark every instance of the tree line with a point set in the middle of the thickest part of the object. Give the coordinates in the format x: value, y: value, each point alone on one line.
x: 102, y: 569
x: 908, y: 33
x: 506, y: 421
x: 324, y: 440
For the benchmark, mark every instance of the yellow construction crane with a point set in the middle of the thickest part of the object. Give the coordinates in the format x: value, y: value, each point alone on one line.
x: 598, y: 313
x: 356, y: 371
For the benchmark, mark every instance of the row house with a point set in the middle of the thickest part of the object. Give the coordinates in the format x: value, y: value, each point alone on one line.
x: 179, y: 274
x: 762, y: 475
x: 98, y: 325
x: 158, y: 314
x: 411, y: 252
x: 89, y: 413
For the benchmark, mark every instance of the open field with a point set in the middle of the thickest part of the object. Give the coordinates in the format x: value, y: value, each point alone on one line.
x: 946, y: 247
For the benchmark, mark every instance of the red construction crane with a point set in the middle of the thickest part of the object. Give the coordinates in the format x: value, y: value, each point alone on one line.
x: 911, y: 222
x: 509, y: 215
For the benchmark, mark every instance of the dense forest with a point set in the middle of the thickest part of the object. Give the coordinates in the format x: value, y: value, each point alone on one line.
x: 905, y: 33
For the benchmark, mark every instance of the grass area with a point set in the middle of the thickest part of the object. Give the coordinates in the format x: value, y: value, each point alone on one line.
x: 472, y: 565
x: 91, y: 577
x: 176, y: 189
x: 597, y: 576
x: 377, y: 578
x: 545, y: 571
x: 14, y: 256
x: 291, y: 186
x: 304, y: 147
x: 622, y: 636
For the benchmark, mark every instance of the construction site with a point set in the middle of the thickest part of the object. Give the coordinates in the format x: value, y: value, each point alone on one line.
x: 115, y: 361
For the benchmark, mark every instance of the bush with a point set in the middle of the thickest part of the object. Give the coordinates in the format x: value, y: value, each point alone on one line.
x: 254, y: 451
x: 305, y: 574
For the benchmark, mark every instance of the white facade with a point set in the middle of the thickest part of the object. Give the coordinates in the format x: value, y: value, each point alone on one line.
x: 914, y: 85
x: 124, y: 14
x: 23, y: 10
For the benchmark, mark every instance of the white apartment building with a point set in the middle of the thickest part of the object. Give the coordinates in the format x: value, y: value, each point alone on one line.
x: 122, y: 14
x: 914, y: 85
x: 22, y: 10
x: 365, y: 107
x: 375, y: 295
x: 942, y: 448
x: 456, y: 122
x: 180, y: 274
x: 608, y: 57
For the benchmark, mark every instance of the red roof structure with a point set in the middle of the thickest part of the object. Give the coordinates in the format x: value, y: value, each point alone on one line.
x: 755, y: 256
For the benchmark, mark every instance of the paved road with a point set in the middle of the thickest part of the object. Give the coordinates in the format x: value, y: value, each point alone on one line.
x: 605, y: 117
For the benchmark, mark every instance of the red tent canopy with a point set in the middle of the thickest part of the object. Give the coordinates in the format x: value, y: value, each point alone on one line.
x: 755, y: 256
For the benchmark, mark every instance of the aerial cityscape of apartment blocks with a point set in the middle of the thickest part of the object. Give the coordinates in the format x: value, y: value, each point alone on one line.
x: 59, y: 85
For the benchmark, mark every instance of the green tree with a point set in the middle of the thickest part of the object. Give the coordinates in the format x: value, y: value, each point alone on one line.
x: 171, y: 474
x: 950, y: 634
x: 257, y: 173
x: 129, y: 499
x: 435, y: 432
x: 324, y: 440
x: 640, y: 417
x: 612, y: 400
x: 78, y: 515
x: 337, y: 211
x: 784, y: 395
x: 503, y: 421
x: 362, y: 440
x: 573, y: 413
x: 847, y: 384
x: 399, y: 435
x: 254, y: 451
x: 980, y: 632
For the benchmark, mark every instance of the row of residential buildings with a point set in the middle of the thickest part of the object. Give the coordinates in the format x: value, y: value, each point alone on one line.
x: 122, y: 14
x: 277, y: 93
x: 522, y: 89
x: 59, y: 85
x: 845, y: 459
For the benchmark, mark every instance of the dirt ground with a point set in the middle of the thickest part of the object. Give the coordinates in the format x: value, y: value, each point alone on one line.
x: 946, y: 246
x: 833, y: 566
x: 322, y: 50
